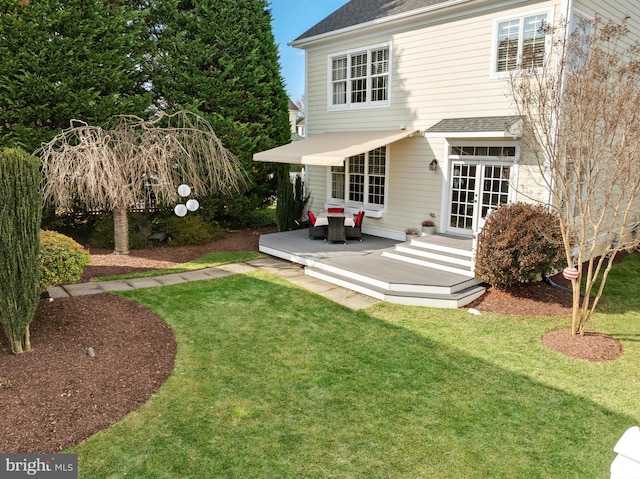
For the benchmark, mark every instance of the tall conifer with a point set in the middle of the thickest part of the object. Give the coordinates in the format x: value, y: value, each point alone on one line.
x: 20, y: 213
x: 219, y: 58
x: 69, y: 59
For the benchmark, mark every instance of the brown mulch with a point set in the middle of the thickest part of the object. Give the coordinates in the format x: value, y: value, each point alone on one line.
x: 57, y: 395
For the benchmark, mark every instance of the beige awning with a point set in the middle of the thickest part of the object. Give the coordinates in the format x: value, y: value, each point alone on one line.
x: 331, y: 149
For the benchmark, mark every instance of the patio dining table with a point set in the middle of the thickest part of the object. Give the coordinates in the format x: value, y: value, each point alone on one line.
x: 323, y: 219
x: 336, y: 223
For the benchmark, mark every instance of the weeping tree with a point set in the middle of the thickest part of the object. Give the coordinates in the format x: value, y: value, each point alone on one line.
x: 133, y: 162
x: 582, y: 126
x: 20, y: 214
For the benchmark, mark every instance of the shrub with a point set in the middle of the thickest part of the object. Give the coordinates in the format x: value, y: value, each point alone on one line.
x: 518, y: 243
x: 259, y: 219
x: 20, y: 215
x: 192, y: 230
x: 62, y: 260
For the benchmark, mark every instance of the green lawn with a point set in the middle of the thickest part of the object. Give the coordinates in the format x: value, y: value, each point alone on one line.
x: 272, y: 381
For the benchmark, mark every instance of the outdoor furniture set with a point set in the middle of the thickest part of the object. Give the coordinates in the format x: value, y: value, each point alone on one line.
x: 335, y: 225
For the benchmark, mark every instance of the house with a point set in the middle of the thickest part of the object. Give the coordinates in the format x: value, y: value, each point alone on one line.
x: 410, y: 101
x: 408, y: 116
x: 294, y: 111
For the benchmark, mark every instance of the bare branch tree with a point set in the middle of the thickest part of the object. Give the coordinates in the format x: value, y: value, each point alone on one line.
x: 114, y: 168
x: 582, y: 126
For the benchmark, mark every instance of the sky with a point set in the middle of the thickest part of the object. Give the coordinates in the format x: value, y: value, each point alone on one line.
x: 291, y: 18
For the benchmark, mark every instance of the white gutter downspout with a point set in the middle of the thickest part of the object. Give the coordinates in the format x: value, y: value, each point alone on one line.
x: 567, y: 7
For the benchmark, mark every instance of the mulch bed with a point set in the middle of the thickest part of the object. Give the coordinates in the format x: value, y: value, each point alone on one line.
x: 58, y: 395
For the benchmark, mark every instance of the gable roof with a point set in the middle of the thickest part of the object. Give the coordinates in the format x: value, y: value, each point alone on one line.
x: 293, y: 106
x: 357, y: 12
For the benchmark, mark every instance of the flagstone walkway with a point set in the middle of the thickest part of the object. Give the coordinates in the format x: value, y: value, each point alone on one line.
x: 290, y: 271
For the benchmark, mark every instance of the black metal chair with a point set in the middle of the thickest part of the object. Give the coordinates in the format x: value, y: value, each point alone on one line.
x: 319, y: 232
x: 355, y: 232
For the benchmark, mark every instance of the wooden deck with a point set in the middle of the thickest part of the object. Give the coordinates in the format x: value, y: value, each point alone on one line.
x: 429, y: 271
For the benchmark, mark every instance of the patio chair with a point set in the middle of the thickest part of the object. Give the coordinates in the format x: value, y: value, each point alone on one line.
x: 316, y: 231
x: 335, y: 210
x: 355, y: 232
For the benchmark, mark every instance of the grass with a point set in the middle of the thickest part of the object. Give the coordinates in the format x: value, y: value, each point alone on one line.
x: 209, y: 260
x: 272, y: 381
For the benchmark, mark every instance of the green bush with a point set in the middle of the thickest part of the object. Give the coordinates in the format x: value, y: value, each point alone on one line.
x: 259, y: 219
x: 62, y: 260
x: 192, y: 230
x: 518, y: 243
x: 20, y: 215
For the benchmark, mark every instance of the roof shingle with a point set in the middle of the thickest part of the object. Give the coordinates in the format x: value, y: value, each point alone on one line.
x: 357, y: 12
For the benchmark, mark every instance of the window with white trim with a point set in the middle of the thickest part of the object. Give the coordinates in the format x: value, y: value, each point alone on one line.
x: 521, y: 43
x: 360, y: 78
x: 362, y: 180
x: 580, y: 30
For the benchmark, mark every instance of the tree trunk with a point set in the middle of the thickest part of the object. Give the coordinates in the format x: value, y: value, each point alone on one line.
x: 16, y: 346
x: 575, y: 310
x: 121, y: 230
x: 27, y: 339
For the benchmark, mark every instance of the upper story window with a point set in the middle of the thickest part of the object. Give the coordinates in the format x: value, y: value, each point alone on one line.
x: 580, y: 30
x: 521, y: 42
x: 360, y: 78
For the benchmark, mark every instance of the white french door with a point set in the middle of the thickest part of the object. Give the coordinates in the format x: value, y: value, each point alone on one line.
x: 476, y: 188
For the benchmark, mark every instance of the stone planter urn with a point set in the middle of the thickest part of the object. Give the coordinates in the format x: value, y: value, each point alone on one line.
x: 428, y: 228
x: 411, y: 233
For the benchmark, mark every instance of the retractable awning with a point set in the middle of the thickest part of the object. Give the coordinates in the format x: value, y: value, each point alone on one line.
x: 331, y: 149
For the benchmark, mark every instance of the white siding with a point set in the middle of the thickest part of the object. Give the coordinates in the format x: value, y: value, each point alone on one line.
x: 440, y: 69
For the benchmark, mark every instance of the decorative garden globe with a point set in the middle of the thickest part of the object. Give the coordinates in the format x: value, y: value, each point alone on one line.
x: 192, y: 205
x: 570, y: 273
x: 184, y: 190
x: 180, y: 210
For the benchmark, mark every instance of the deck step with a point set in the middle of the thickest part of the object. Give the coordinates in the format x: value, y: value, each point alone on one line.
x: 415, y: 295
x: 430, y: 271
x: 453, y: 258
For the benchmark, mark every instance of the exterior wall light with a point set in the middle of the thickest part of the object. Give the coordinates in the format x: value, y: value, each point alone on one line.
x: 433, y: 166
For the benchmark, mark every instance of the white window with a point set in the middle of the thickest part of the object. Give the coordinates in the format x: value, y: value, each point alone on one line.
x: 521, y: 42
x: 359, y: 78
x: 362, y: 179
x: 580, y: 30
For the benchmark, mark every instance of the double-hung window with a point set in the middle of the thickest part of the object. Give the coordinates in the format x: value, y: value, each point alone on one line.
x: 362, y: 180
x: 581, y: 27
x: 521, y: 43
x: 360, y: 78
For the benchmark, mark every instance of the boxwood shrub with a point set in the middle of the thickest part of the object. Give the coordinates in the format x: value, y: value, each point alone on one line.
x: 62, y: 260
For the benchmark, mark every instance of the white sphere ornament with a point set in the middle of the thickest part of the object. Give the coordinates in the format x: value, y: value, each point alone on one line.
x: 193, y: 205
x: 180, y: 210
x: 184, y: 190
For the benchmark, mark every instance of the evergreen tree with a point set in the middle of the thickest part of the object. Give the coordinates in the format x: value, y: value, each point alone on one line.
x: 69, y: 59
x: 20, y: 213
x: 219, y: 58
x: 286, y: 203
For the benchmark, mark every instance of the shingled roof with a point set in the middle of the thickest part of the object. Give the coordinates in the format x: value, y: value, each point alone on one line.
x: 357, y: 12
